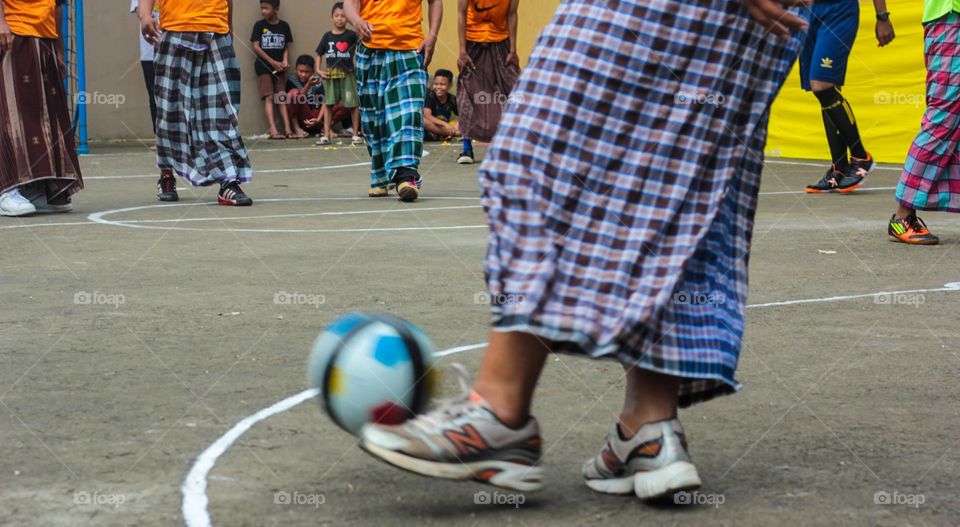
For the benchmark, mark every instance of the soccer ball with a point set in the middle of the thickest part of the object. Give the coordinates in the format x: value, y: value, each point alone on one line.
x: 372, y: 369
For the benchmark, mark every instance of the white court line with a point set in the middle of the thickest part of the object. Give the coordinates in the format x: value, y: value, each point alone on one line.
x: 305, y: 214
x: 821, y: 165
x: 194, y: 488
x: 255, y: 172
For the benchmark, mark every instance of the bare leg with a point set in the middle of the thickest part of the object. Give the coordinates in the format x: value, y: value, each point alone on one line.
x: 356, y: 121
x: 649, y: 397
x: 509, y: 373
x: 903, y: 212
x: 285, y: 117
x: 328, y: 122
x: 271, y: 118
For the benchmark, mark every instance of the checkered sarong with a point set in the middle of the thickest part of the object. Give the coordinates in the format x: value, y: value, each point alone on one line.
x: 198, y: 97
x: 392, y: 86
x: 622, y: 183
x: 931, y: 173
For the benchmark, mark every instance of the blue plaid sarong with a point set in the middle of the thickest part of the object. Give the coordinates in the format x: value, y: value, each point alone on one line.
x: 622, y: 183
x: 392, y: 88
x: 198, y: 99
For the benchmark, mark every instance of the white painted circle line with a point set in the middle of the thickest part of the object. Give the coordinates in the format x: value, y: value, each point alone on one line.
x: 255, y: 172
x: 195, y: 513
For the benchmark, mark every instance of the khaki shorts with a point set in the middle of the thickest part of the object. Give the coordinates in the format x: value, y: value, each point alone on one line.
x: 271, y: 85
x: 343, y: 91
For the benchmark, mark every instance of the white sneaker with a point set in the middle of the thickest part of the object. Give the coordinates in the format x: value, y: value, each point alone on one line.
x: 12, y: 203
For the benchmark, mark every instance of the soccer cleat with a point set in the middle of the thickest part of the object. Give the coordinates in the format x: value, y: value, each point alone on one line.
x: 653, y: 464
x: 12, y: 203
x: 911, y: 230
x: 856, y: 171
x: 378, y: 192
x: 231, y: 195
x: 461, y: 440
x: 408, y: 191
x: 167, y: 188
x: 465, y: 158
x: 828, y: 183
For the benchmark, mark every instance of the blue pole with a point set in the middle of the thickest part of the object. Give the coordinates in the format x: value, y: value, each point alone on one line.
x: 82, y: 147
x: 65, y: 38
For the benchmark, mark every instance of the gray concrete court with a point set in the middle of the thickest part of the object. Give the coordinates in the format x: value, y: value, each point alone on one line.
x: 134, y: 335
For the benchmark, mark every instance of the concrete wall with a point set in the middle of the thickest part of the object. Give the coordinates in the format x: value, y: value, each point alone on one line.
x: 113, y: 67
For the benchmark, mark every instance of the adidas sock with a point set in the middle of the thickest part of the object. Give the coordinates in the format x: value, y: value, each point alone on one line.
x: 841, y: 115
x: 838, y: 147
x: 467, y: 145
x: 405, y: 174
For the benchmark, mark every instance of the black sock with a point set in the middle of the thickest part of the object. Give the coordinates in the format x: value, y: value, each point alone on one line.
x: 838, y: 110
x: 405, y: 174
x: 838, y: 147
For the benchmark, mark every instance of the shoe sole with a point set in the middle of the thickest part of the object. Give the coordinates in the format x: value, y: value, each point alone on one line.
x: 168, y: 199
x: 226, y: 203
x: 925, y: 242
x: 408, y: 194
x: 17, y: 214
x: 468, y: 162
x: 849, y: 189
x: 55, y: 211
x: 653, y: 485
x: 818, y: 191
x: 503, y: 474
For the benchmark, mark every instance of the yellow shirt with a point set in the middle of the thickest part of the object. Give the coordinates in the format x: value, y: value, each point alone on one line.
x: 31, y: 18
x: 200, y: 16
x: 397, y: 24
x: 487, y: 20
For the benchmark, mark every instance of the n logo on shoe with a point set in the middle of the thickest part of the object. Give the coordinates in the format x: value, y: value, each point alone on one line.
x: 465, y: 439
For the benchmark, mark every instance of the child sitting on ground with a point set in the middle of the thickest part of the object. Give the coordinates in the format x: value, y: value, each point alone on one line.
x: 440, y: 110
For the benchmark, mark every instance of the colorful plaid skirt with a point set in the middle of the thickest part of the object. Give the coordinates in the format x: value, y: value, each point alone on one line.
x: 36, y: 137
x: 622, y: 183
x: 392, y: 85
x: 198, y: 98
x: 931, y: 173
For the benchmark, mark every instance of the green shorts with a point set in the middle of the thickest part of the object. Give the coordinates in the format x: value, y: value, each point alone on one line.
x: 342, y: 91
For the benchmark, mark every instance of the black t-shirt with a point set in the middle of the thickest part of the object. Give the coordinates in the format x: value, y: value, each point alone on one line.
x: 273, y: 39
x: 314, y: 95
x: 339, y: 49
x: 444, y: 112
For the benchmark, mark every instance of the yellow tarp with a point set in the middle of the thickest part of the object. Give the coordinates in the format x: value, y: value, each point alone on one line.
x: 885, y: 87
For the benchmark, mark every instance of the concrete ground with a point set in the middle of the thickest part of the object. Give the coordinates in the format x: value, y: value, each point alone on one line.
x: 133, y: 335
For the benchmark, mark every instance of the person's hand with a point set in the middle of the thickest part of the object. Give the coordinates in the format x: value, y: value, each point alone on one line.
x: 772, y: 15
x: 311, y: 122
x: 512, y: 58
x: 285, y: 65
x: 885, y: 33
x: 277, y: 67
x: 464, y: 62
x: 364, y: 30
x: 324, y: 74
x: 150, y: 29
x: 6, y: 36
x: 426, y: 49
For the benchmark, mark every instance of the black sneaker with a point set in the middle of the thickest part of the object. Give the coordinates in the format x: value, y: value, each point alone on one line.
x: 829, y: 182
x: 855, y: 173
x: 231, y: 195
x: 167, y: 187
x: 465, y: 158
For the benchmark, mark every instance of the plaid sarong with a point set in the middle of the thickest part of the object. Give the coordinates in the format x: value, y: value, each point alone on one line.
x: 392, y: 87
x: 198, y: 97
x: 482, y: 93
x: 931, y: 173
x: 622, y: 184
x: 36, y: 137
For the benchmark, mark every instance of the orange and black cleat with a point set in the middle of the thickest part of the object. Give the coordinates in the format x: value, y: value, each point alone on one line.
x: 910, y: 230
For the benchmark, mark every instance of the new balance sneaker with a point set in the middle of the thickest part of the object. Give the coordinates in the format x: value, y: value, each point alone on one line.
x: 231, y: 195
x: 653, y: 464
x: 461, y: 440
x: 911, y: 230
x: 167, y: 187
x: 12, y: 203
x: 408, y: 191
x: 828, y: 183
x: 856, y: 171
x: 465, y: 158
x: 378, y: 192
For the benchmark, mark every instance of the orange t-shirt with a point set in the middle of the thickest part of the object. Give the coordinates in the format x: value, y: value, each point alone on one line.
x: 397, y: 24
x: 31, y: 18
x: 487, y: 20
x: 195, y: 16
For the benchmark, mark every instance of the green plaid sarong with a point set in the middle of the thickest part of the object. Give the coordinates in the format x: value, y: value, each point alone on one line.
x: 392, y: 86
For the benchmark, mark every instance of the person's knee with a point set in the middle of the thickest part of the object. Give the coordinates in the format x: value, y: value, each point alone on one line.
x: 819, y: 86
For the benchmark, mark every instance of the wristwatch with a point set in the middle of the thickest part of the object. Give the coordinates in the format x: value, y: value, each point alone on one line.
x: 884, y: 16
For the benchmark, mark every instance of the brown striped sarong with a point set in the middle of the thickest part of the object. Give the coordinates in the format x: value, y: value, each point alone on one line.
x: 36, y: 139
x: 483, y: 92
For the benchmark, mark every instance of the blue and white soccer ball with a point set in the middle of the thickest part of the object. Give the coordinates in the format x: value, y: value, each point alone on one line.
x: 372, y: 369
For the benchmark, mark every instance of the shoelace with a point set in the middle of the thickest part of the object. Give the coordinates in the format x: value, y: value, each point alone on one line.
x: 449, y: 408
x: 915, y: 223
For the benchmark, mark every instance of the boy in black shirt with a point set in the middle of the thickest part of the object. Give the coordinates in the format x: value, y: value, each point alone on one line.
x: 440, y: 111
x: 271, y: 38
x: 338, y: 47
x: 305, y: 98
